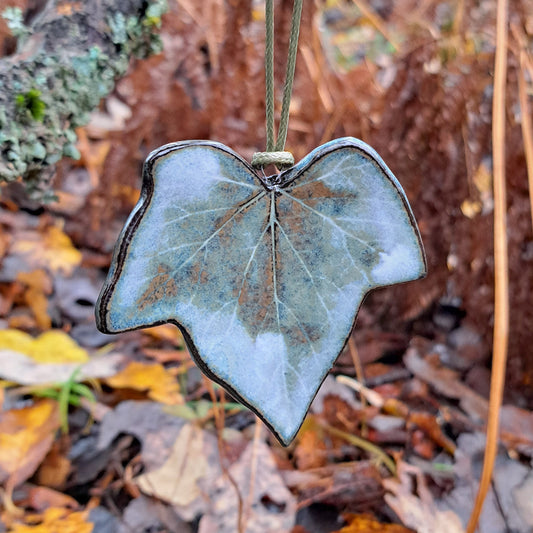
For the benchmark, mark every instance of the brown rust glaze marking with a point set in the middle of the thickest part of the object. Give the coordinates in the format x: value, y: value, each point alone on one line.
x: 162, y: 286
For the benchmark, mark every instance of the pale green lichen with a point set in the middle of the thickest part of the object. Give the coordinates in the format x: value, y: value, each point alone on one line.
x: 50, y: 97
x: 15, y: 22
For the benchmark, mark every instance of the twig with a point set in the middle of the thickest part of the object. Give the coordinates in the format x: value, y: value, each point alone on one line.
x: 373, y: 397
x: 527, y: 127
x: 363, y: 444
x: 356, y: 360
x: 315, y: 71
x: 501, y: 274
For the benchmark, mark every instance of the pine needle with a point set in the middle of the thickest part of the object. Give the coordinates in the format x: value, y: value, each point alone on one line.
x: 501, y: 273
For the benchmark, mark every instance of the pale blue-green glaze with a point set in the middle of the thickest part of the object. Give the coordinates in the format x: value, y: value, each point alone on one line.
x: 263, y: 275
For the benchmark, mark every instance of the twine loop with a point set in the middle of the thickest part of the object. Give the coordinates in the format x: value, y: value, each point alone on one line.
x: 280, y: 159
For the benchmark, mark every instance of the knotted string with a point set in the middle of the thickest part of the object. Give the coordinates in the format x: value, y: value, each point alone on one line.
x: 275, y: 153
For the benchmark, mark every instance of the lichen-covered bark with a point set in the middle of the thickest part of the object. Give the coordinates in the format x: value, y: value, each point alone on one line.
x: 68, y: 60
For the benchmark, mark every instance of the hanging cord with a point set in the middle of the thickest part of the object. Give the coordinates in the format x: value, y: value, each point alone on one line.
x: 275, y: 153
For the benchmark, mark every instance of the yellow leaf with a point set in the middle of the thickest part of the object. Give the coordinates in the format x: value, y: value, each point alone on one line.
x: 483, y: 179
x: 471, y: 208
x: 165, y: 332
x: 58, y: 520
x: 158, y: 382
x: 26, y: 436
x: 362, y: 523
x: 51, y: 248
x: 53, y: 346
x: 38, y: 285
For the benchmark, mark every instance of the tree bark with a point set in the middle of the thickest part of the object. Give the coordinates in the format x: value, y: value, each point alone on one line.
x: 69, y: 59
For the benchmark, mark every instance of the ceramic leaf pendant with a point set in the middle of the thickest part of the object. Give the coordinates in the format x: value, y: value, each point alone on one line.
x: 264, y: 276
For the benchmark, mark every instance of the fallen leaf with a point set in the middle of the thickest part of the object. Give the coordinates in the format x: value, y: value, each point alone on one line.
x: 358, y: 523
x: 69, y: 8
x: 5, y: 240
x: 516, y: 423
x: 157, y: 431
x: 149, y: 514
x: 55, y: 468
x: 53, y: 346
x: 38, y: 286
x: 76, y: 297
x: 165, y: 332
x: 272, y: 507
x: 429, y: 425
x: 42, y: 498
x: 26, y: 436
x: 310, y: 451
x: 154, y: 428
x: 417, y: 510
x: 57, y: 520
x: 21, y: 369
x: 51, y: 248
x: 509, y: 502
x: 517, y: 428
x: 340, y: 484
x: 167, y: 356
x: 176, y: 481
x: 159, y: 383
x: 446, y: 382
x: 523, y: 500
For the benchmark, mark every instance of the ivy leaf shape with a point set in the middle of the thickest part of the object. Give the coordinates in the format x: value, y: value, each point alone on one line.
x: 263, y: 275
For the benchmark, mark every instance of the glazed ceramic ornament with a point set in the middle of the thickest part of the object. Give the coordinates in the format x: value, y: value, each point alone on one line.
x: 263, y: 275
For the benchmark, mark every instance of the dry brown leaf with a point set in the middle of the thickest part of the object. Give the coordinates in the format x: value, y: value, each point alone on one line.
x: 57, y: 520
x: 362, y: 523
x: 311, y: 449
x: 415, y: 506
x: 446, y: 382
x: 272, y: 507
x: 26, y: 436
x: 92, y: 155
x: 158, y: 382
x: 5, y: 240
x: 51, y: 248
x: 55, y: 468
x: 69, y: 8
x: 42, y: 498
x: 430, y: 426
x: 176, y: 481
